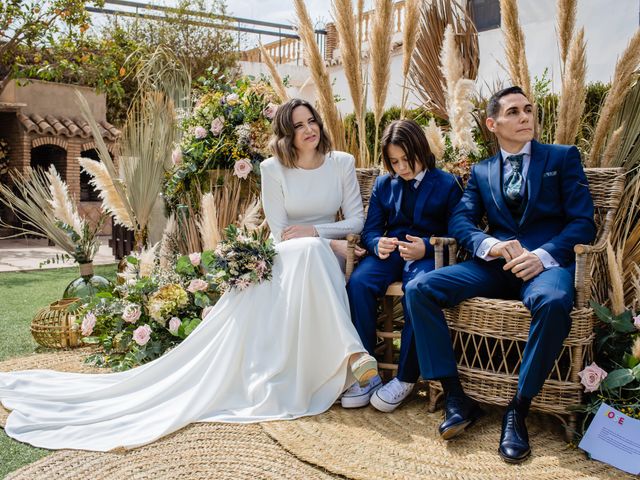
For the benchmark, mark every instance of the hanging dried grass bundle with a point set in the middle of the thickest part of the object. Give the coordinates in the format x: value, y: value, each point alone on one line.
x: 435, y: 138
x: 208, y: 223
x: 616, y: 291
x: 63, y: 208
x: 111, y: 200
x: 326, y: 102
x: 574, y: 92
x: 623, y: 79
x: 567, y: 10
x: 278, y: 84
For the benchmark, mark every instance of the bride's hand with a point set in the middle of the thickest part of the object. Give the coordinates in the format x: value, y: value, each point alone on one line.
x: 339, y: 247
x: 299, y: 231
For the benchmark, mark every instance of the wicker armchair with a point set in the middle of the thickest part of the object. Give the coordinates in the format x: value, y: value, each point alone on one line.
x: 489, y: 335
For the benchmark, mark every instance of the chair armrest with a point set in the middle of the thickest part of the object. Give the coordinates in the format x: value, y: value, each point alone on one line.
x: 439, y: 243
x: 585, y: 255
x: 352, y: 240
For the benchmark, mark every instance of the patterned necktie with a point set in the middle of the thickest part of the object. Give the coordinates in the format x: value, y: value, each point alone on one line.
x: 513, y: 183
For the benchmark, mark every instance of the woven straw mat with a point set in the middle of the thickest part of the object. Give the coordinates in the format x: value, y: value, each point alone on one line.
x: 354, y: 444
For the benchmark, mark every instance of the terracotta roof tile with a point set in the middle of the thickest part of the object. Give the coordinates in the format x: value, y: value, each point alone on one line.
x: 64, y: 126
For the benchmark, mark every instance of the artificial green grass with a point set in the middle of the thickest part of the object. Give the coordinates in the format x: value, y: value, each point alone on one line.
x: 22, y: 294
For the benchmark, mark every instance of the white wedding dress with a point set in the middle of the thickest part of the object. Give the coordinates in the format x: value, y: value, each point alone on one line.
x: 278, y: 350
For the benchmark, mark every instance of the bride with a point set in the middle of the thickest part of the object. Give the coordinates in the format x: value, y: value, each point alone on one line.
x: 278, y: 350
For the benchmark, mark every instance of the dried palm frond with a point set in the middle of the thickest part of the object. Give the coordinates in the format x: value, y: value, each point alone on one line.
x: 326, y: 101
x: 574, y: 93
x: 351, y: 60
x: 61, y: 204
x: 623, y: 79
x: 462, y: 120
x: 425, y: 73
x: 616, y: 292
x: 380, y: 55
x: 567, y: 10
x: 112, y: 202
x: 409, y: 38
x: 515, y: 46
x: 435, y: 139
x: 208, y: 223
x: 278, y: 84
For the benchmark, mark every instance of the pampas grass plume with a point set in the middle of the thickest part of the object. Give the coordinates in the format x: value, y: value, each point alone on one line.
x: 435, y: 138
x: 63, y: 209
x: 208, y: 223
x: 278, y: 84
x: 614, y: 263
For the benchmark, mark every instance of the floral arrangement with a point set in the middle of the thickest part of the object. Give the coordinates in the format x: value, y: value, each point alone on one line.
x: 4, y: 157
x: 156, y: 305
x: 229, y: 129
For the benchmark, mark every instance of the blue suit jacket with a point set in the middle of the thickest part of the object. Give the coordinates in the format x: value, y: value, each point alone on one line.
x: 437, y: 196
x: 559, y: 210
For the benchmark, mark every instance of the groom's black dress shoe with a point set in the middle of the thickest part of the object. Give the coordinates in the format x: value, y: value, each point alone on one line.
x: 514, y: 441
x: 460, y: 412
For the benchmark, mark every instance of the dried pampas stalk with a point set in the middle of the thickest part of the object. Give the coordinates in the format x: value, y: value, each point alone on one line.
x: 566, y: 23
x: 409, y: 39
x: 208, y: 223
x: 515, y: 46
x: 351, y: 60
x: 613, y: 146
x: 635, y: 283
x: 168, y: 246
x: 147, y: 260
x: 462, y: 119
x: 251, y: 218
x: 380, y: 55
x: 451, y: 66
x: 111, y: 200
x: 278, y: 84
x: 435, y: 138
x: 574, y: 93
x: 623, y: 78
x: 326, y: 102
x: 61, y: 204
x: 635, y: 348
x: 616, y: 292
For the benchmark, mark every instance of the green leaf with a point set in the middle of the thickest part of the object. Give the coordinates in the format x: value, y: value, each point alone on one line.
x: 623, y: 323
x: 132, y: 260
x: 636, y: 371
x: 201, y: 299
x: 618, y: 378
x: 629, y: 360
x: 91, y: 340
x: 184, y: 267
x: 191, y: 326
x: 602, y: 312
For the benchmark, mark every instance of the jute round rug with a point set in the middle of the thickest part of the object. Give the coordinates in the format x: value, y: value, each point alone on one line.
x: 354, y: 444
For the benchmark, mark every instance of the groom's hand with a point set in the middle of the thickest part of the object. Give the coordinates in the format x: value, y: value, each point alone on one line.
x: 386, y: 245
x: 414, y: 249
x: 299, y: 231
x: 508, y: 250
x: 526, y: 266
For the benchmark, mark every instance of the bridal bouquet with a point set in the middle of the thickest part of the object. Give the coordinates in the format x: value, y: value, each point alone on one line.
x: 243, y: 259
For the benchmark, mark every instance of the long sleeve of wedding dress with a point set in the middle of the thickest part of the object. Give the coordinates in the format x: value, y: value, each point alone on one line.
x: 277, y: 350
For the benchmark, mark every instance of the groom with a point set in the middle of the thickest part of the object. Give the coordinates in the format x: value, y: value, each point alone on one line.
x: 538, y: 206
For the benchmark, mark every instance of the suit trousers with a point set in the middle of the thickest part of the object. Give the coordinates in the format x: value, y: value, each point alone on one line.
x: 548, y: 296
x: 367, y: 284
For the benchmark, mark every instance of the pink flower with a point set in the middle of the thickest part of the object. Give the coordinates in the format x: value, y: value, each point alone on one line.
x: 197, y: 285
x: 242, y: 168
x: 270, y: 111
x: 206, y: 311
x: 261, y: 266
x: 591, y: 377
x: 131, y: 313
x: 141, y: 335
x: 217, y: 125
x: 194, y: 258
x: 176, y: 156
x: 243, y: 284
x: 174, y: 324
x: 200, y: 133
x: 232, y: 99
x: 636, y: 321
x: 88, y: 323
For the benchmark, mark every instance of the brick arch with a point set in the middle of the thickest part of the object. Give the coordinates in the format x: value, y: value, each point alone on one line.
x: 60, y: 142
x: 92, y: 145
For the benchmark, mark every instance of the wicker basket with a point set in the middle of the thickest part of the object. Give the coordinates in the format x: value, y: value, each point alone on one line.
x: 54, y: 326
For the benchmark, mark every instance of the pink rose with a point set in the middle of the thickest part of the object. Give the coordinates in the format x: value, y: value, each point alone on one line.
x: 270, y: 111
x: 174, y: 324
x: 200, y: 133
x: 141, y: 335
x: 194, y: 258
x: 217, y: 125
x: 197, y: 285
x: 176, y: 156
x: 131, y: 313
x: 206, y: 311
x: 636, y: 322
x: 88, y: 324
x: 591, y: 377
x: 242, y: 168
